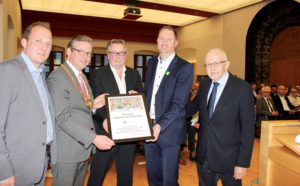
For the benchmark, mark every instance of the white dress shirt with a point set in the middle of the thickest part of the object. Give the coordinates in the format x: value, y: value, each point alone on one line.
x: 284, y: 103
x: 76, y: 72
x: 161, y: 69
x: 120, y: 82
x: 41, y: 86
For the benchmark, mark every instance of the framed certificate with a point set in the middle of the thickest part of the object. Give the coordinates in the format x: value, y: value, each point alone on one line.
x: 128, y: 117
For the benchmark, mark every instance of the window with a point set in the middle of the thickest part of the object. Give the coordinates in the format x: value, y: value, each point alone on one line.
x: 140, y: 64
x: 54, y: 60
x: 97, y: 61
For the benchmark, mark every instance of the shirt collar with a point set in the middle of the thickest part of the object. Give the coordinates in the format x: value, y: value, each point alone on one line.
x: 115, y: 70
x: 224, y: 79
x: 30, y: 65
x: 76, y: 72
x: 168, y: 60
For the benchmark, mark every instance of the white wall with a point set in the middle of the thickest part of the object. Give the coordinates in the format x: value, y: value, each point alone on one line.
x: 10, y: 28
x: 227, y: 31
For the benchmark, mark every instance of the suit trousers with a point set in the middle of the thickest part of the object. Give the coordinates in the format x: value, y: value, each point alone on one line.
x: 162, y: 164
x: 208, y: 177
x: 191, y: 137
x: 69, y: 174
x: 102, y: 160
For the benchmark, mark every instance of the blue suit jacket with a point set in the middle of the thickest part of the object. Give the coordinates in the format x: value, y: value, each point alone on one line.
x: 170, y: 98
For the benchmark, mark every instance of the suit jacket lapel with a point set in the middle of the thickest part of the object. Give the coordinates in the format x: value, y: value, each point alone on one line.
x: 30, y: 80
x: 152, y: 68
x: 204, y: 98
x: 113, y: 83
x: 75, y: 78
x: 170, y: 70
x: 127, y: 80
x: 227, y: 93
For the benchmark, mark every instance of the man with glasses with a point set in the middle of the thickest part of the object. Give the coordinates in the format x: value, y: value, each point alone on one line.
x: 74, y: 104
x: 115, y: 78
x: 265, y: 108
x: 226, y: 117
x: 294, y: 99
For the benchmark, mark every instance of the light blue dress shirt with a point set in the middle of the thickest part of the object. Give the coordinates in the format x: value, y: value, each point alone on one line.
x: 43, y: 92
x: 220, y: 88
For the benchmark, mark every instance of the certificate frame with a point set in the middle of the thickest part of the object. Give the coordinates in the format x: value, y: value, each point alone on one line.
x: 128, y: 118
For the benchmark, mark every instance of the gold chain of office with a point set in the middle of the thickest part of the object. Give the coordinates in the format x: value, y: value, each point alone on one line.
x: 87, y: 99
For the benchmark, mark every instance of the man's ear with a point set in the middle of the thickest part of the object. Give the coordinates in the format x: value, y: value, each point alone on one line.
x: 24, y: 42
x: 176, y: 42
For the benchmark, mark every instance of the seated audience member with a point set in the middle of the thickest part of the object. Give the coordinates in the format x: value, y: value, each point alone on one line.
x: 283, y: 105
x: 258, y: 93
x: 274, y: 90
x: 254, y: 87
x: 286, y: 91
x: 298, y: 91
x: 293, y: 98
x: 265, y: 108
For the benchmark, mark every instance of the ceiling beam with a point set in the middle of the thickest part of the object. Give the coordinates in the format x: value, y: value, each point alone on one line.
x: 156, y: 6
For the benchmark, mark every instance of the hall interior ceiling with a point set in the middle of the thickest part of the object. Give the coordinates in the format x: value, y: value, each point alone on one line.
x: 171, y: 12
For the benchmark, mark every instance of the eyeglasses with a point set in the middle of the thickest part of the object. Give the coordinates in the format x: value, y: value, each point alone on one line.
x: 117, y: 53
x: 213, y: 64
x: 83, y: 53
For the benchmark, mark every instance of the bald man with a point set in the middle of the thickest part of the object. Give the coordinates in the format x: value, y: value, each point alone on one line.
x: 226, y: 117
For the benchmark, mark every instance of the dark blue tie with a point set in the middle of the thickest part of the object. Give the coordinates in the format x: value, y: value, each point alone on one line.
x: 211, y: 101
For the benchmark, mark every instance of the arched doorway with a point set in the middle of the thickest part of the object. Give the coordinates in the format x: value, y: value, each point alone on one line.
x: 266, y: 25
x: 285, y: 57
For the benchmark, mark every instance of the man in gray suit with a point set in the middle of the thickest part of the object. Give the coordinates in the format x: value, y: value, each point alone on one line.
x: 26, y: 112
x: 74, y: 104
x: 265, y: 108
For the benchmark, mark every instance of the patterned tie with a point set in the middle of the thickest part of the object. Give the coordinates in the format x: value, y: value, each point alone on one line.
x: 211, y: 101
x: 82, y: 85
x: 270, y: 105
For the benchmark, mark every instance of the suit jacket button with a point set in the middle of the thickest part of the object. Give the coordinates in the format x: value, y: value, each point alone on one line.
x: 44, y: 122
x: 44, y: 144
x: 92, y: 128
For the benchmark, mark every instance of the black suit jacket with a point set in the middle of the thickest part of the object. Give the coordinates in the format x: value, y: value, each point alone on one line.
x: 227, y: 138
x: 279, y: 106
x: 102, y: 81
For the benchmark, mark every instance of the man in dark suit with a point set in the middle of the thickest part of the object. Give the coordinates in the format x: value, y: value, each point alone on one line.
x: 274, y: 90
x: 26, y: 111
x: 265, y: 108
x: 74, y: 103
x: 283, y: 105
x: 226, y: 117
x: 115, y: 78
x: 168, y: 82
